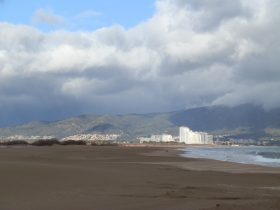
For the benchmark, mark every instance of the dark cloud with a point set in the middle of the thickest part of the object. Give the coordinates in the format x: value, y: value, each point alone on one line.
x: 190, y: 53
x: 211, y: 12
x: 217, y: 11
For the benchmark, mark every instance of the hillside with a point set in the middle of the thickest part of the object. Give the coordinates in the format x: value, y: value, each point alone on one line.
x: 244, y: 121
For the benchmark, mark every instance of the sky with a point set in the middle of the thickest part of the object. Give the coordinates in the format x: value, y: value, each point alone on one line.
x: 60, y: 59
x: 83, y: 15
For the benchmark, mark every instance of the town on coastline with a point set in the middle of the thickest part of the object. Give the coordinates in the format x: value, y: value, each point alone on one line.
x: 186, y: 136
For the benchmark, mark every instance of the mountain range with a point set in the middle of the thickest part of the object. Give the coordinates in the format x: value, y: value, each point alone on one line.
x: 241, y: 121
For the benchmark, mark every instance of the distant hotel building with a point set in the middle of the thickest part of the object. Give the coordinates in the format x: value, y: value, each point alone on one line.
x: 188, y: 136
x: 164, y: 138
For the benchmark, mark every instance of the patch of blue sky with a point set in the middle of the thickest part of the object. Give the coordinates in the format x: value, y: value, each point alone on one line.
x: 84, y: 15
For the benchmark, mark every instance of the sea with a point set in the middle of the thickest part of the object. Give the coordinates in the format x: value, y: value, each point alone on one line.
x: 259, y: 155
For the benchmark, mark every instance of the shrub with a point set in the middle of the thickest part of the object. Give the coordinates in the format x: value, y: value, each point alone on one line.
x: 14, y: 142
x: 48, y: 142
x: 73, y: 142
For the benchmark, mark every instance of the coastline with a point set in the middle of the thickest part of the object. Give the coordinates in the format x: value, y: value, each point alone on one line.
x: 227, y: 154
x: 204, y: 164
x: 81, y: 177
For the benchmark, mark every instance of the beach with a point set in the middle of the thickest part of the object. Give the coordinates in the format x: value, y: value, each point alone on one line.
x: 126, y: 178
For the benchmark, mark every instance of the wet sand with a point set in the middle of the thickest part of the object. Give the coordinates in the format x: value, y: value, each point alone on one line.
x: 101, y: 178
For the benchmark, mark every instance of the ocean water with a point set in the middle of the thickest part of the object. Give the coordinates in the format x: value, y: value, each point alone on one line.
x: 259, y: 155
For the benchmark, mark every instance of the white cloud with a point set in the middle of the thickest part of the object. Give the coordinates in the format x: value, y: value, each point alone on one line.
x: 47, y: 17
x: 88, y: 14
x: 190, y: 53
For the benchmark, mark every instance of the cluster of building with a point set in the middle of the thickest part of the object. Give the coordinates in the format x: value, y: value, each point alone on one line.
x: 78, y: 137
x: 157, y: 139
x: 28, y: 139
x: 186, y: 136
x: 92, y: 137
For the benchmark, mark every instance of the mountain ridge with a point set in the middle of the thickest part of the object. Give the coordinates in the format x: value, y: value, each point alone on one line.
x: 244, y: 120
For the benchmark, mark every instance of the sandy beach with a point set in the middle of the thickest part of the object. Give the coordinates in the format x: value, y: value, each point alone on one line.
x: 117, y: 178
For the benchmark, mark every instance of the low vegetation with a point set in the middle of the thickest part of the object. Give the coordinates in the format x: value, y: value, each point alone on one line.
x: 103, y: 143
x: 46, y: 142
x: 16, y: 142
x: 51, y: 142
x: 73, y: 142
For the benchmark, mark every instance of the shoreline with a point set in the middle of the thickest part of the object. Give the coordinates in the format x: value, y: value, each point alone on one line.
x: 125, y: 178
x: 197, y: 164
x: 177, y: 150
x: 248, y: 160
x: 204, y: 164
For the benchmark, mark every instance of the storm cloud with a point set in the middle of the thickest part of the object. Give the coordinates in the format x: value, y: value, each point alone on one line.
x: 190, y: 53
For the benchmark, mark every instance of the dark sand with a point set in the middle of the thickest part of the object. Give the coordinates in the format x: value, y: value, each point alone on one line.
x: 104, y: 178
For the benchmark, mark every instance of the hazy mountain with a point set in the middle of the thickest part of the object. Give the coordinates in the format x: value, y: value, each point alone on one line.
x: 249, y: 120
x: 244, y: 120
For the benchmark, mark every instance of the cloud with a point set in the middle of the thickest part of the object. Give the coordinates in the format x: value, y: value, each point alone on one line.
x: 47, y: 17
x: 190, y: 53
x: 88, y: 14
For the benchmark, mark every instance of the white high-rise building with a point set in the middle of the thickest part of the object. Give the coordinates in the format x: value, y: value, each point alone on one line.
x: 188, y: 136
x: 184, y: 134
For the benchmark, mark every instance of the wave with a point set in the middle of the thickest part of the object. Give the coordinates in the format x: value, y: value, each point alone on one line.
x: 270, y: 155
x: 267, y: 156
